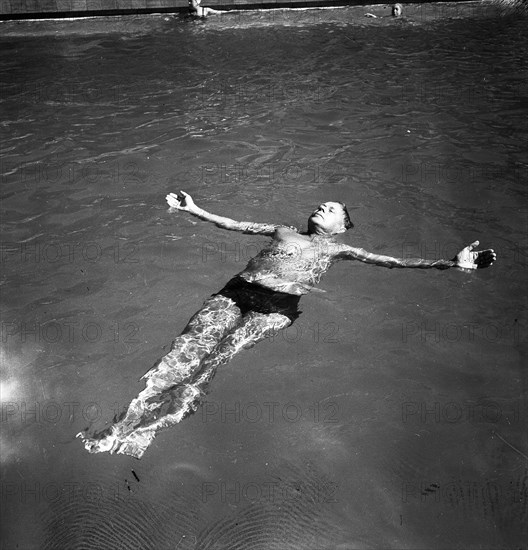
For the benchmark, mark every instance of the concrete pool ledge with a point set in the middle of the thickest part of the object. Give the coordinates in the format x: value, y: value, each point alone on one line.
x: 51, y: 9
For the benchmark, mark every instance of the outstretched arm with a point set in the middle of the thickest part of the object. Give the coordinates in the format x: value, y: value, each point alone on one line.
x: 212, y: 11
x: 466, y: 258
x: 184, y: 202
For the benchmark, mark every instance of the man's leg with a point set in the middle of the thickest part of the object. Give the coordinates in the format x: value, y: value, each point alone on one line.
x: 183, y: 399
x: 218, y: 316
x: 254, y: 328
x: 205, y: 330
x: 169, y: 407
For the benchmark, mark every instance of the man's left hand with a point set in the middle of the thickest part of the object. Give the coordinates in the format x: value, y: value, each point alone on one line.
x: 468, y: 258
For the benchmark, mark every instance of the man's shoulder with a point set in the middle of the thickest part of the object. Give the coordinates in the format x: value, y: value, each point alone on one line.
x: 340, y: 249
x: 286, y: 229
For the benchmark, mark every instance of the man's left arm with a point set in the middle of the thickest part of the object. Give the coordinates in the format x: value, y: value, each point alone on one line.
x: 467, y: 258
x: 211, y: 11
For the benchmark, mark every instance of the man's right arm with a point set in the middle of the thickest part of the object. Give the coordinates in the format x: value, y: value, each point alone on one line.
x: 186, y: 203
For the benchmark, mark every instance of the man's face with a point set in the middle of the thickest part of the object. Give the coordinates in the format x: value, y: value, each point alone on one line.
x: 327, y: 218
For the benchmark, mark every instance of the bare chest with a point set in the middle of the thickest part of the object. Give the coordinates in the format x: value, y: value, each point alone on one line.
x: 302, y: 246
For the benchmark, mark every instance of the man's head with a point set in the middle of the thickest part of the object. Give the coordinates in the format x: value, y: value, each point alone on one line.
x: 397, y: 10
x: 194, y: 3
x: 329, y: 218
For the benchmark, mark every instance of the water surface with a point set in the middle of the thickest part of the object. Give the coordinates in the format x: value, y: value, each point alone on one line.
x: 392, y: 413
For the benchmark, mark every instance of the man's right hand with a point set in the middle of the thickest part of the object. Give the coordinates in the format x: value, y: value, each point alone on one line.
x: 183, y: 201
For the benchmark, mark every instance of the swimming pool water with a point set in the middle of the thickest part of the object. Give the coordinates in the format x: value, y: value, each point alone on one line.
x: 392, y: 413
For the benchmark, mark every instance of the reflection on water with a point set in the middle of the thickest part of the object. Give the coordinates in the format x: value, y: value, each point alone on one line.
x: 391, y: 413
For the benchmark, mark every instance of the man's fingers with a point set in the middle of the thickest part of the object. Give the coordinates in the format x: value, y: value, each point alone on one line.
x: 486, y: 258
x: 473, y: 245
x: 173, y: 201
x: 489, y: 254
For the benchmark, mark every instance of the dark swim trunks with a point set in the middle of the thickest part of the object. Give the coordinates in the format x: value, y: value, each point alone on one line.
x: 251, y: 297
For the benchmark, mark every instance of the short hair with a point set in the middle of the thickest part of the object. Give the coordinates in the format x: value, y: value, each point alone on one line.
x: 348, y: 221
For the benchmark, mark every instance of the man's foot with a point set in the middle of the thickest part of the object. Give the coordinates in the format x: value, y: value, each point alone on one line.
x: 108, y: 443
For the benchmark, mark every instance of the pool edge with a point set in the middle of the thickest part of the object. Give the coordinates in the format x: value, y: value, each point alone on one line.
x: 223, y: 4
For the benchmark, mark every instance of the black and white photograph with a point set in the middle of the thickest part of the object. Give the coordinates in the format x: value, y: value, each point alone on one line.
x: 263, y: 275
